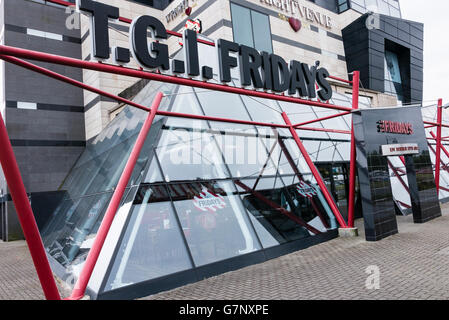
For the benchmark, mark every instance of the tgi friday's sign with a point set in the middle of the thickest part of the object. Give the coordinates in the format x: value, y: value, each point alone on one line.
x: 296, y: 9
x: 208, y: 201
x: 258, y: 70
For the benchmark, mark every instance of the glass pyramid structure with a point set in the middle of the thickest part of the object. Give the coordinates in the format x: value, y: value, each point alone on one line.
x: 204, y: 198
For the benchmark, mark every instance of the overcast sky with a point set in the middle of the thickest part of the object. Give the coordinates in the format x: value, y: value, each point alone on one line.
x: 435, y: 16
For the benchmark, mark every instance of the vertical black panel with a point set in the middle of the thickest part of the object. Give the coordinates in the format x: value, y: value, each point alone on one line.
x: 374, y: 178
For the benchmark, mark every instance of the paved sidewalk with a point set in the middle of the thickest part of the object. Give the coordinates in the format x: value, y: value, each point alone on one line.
x: 413, y: 265
x: 18, y: 278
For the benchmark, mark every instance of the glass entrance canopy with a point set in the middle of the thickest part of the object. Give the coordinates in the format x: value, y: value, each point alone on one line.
x: 202, y: 192
x: 205, y: 197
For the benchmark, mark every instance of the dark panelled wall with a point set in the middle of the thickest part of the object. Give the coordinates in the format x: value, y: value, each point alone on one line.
x: 374, y: 178
x: 46, y: 141
x: 365, y: 50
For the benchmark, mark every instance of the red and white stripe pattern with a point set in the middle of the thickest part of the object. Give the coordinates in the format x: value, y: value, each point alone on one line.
x: 208, y: 201
x: 305, y: 190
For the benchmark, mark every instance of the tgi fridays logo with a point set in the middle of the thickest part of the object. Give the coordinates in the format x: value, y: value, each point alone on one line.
x: 296, y: 9
x: 306, y: 190
x: 183, y: 8
x: 395, y: 127
x: 208, y: 201
x: 258, y: 70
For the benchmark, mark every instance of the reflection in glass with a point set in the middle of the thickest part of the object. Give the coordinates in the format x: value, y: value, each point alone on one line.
x: 284, y: 214
x: 152, y: 245
x: 214, y: 222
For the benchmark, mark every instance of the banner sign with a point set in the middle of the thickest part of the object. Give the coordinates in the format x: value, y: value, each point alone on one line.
x: 208, y: 201
x: 260, y: 70
x: 400, y: 149
x: 395, y: 127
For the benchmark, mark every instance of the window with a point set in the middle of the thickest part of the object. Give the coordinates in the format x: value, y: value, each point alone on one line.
x: 251, y: 28
x: 342, y: 5
x: 393, y: 80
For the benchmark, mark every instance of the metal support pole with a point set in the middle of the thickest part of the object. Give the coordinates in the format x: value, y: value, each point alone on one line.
x: 26, y: 216
x: 353, y: 159
x: 86, y: 272
x: 315, y: 172
x: 438, y: 138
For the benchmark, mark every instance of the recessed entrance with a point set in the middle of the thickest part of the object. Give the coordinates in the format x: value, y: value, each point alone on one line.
x: 336, y: 177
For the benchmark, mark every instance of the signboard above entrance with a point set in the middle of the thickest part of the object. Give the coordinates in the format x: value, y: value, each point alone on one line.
x: 258, y: 70
x: 400, y: 149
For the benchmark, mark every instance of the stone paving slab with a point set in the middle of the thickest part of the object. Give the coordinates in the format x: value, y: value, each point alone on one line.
x: 412, y: 264
x: 18, y: 278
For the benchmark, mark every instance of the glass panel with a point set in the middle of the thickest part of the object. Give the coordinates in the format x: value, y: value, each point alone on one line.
x: 241, y: 25
x: 392, y: 62
x: 261, y: 31
x: 214, y: 222
x: 263, y: 110
x: 223, y: 105
x: 74, y: 233
x: 152, y: 245
x: 284, y: 214
x: 190, y: 154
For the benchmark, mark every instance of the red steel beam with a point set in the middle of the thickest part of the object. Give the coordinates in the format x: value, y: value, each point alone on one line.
x: 353, y: 156
x: 442, y: 146
x: 435, y: 124
x: 79, y: 84
x: 393, y: 168
x: 324, y: 130
x: 322, y: 119
x: 342, y: 80
x: 103, y: 67
x: 438, y: 147
x: 277, y: 207
x: 404, y: 204
x: 26, y: 216
x: 315, y: 173
x: 94, y: 252
x: 300, y: 177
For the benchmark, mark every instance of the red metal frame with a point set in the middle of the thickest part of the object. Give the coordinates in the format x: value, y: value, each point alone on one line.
x: 12, y: 55
x: 396, y: 173
x: 277, y: 207
x: 353, y: 159
x: 438, y: 151
x: 94, y: 252
x: 18, y: 192
x: 125, y: 71
x: 26, y: 216
x: 315, y: 172
x: 321, y: 119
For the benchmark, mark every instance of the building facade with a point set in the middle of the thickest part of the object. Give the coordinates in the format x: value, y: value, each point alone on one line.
x: 71, y: 145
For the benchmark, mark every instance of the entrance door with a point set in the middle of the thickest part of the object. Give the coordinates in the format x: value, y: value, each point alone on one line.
x: 336, y: 177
